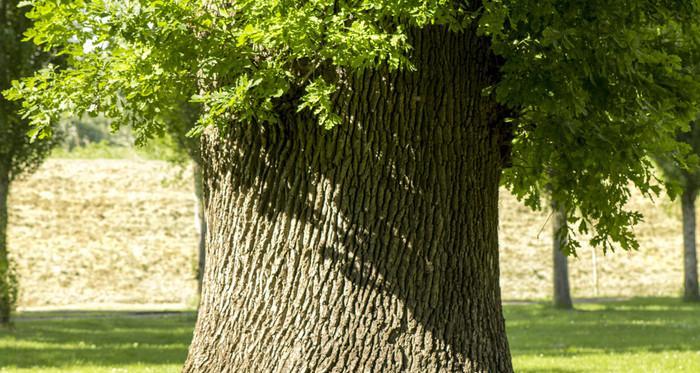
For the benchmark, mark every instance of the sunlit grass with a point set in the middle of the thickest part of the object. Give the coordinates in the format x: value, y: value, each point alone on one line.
x: 96, y: 343
x: 641, y: 335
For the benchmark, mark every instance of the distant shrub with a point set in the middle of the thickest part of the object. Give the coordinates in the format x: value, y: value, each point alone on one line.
x: 94, y: 138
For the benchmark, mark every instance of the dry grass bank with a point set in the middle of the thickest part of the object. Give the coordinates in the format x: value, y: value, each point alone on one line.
x: 121, y: 231
x: 104, y: 231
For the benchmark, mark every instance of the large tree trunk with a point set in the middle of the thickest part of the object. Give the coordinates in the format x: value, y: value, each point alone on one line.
x: 562, y: 294
x: 370, y: 247
x: 690, y: 261
x: 201, y: 222
x: 7, y: 284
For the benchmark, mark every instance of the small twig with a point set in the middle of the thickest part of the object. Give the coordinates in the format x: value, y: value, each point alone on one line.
x: 545, y: 224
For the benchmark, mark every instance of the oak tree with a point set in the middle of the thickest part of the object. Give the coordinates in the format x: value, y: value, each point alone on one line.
x: 353, y: 151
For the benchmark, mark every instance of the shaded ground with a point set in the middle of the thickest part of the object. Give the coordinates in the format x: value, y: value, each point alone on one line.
x: 639, y: 335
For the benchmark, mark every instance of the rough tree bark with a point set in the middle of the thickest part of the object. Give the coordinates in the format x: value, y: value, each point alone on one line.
x: 370, y: 247
x: 690, y: 261
x: 6, y: 285
x: 560, y: 276
x: 201, y: 223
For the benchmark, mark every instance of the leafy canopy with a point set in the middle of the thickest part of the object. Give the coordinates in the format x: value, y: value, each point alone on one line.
x: 595, y: 86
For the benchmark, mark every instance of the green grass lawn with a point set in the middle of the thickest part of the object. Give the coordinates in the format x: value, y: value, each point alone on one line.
x: 97, y: 343
x: 642, y: 335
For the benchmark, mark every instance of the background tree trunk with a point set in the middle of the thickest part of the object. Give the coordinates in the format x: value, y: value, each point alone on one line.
x: 690, y: 261
x: 370, y: 247
x: 201, y: 222
x: 7, y: 286
x: 562, y: 294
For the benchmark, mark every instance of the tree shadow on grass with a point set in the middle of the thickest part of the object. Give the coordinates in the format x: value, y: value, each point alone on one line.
x: 634, y: 326
x: 103, y: 341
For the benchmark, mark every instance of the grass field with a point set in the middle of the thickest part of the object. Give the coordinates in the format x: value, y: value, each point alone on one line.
x: 640, y: 335
x: 97, y: 342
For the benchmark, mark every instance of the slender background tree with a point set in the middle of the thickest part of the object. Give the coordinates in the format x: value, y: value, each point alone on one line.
x: 18, y: 153
x: 353, y: 151
x: 561, y: 296
x: 687, y: 178
x: 181, y: 122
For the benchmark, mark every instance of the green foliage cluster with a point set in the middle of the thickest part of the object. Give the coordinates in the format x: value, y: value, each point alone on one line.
x: 18, y: 154
x: 135, y: 60
x: 680, y: 175
x: 601, y: 87
x: 595, y: 87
